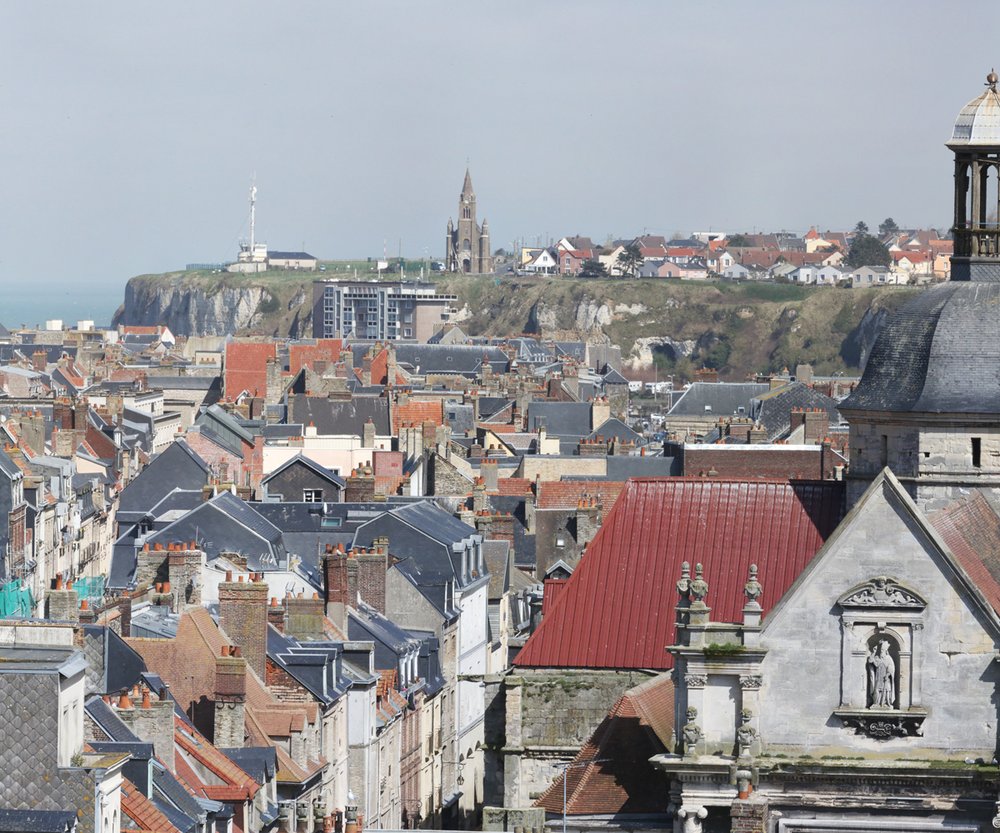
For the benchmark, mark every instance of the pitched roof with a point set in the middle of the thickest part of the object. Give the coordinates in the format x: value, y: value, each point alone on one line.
x: 971, y: 529
x: 246, y: 367
x: 566, y: 494
x: 144, y: 813
x: 619, y: 779
x: 417, y: 412
x: 636, y: 558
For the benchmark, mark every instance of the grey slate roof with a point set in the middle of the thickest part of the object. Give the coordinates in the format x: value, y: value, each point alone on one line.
x: 341, y: 416
x: 560, y: 419
x: 177, y: 466
x: 717, y: 398
x: 939, y: 353
x: 773, y: 409
x: 37, y: 821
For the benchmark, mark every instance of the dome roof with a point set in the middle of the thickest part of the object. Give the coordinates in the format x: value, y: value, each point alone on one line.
x: 978, y: 123
x: 939, y: 353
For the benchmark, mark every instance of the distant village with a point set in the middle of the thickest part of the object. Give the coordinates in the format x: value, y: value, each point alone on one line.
x: 399, y: 576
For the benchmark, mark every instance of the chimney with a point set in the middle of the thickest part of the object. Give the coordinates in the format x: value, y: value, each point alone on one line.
x: 243, y: 616
x: 366, y: 367
x: 276, y: 614
x: 39, y: 360
x: 817, y: 425
x: 184, y: 571
x: 230, y: 698
x: 600, y: 412
x: 354, y: 574
x: 360, y: 485
x: 757, y: 435
x: 304, y: 618
x: 488, y: 470
x: 479, y: 500
x: 368, y: 440
x: 351, y: 819
x: 151, y: 721
x: 588, y: 520
x: 63, y: 602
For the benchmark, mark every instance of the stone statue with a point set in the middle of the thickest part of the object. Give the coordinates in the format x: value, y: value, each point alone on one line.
x: 699, y: 587
x: 691, y: 731
x: 745, y: 734
x: 684, y: 584
x: 882, y: 676
x: 753, y: 589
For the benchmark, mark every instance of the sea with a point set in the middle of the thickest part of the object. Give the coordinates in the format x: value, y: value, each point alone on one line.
x: 30, y: 305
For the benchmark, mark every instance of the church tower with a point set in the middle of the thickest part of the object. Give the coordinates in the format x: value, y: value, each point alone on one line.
x: 468, y: 244
x: 928, y: 404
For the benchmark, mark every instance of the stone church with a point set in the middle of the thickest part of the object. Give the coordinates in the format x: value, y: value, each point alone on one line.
x: 467, y: 247
x: 867, y: 697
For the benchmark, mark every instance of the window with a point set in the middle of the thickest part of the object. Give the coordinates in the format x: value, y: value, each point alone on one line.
x: 884, y: 454
x: 977, y: 452
x: 312, y: 495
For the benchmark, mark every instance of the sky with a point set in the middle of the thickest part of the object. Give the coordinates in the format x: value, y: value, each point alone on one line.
x: 130, y: 132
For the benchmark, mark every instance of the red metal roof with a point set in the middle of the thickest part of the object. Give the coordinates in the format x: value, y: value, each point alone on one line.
x: 617, y: 609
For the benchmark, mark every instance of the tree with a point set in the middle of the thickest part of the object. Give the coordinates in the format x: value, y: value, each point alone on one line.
x: 738, y: 240
x: 630, y: 259
x: 868, y: 251
x: 887, y: 226
x: 861, y: 227
x: 593, y: 269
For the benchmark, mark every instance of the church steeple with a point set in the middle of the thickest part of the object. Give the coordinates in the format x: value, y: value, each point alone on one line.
x: 467, y: 186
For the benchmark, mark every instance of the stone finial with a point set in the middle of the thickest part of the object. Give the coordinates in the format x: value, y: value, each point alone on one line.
x: 991, y: 80
x: 746, y: 735
x: 699, y: 587
x: 684, y: 584
x: 753, y: 589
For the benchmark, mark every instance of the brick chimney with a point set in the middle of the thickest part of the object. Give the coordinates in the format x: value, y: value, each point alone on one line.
x: 360, y: 485
x: 354, y: 574
x: 757, y: 435
x: 276, y: 614
x: 230, y: 698
x: 243, y: 616
x: 39, y: 360
x: 151, y: 721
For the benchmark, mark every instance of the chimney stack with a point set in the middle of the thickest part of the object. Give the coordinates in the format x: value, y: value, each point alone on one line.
x: 243, y: 616
x: 151, y: 721
x: 230, y: 699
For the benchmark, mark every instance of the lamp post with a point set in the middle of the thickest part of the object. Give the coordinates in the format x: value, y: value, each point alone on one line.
x: 565, y: 768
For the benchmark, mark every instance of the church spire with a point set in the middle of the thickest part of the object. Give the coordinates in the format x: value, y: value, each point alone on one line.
x: 467, y: 185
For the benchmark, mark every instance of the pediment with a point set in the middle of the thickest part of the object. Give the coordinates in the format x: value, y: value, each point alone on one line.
x: 882, y: 592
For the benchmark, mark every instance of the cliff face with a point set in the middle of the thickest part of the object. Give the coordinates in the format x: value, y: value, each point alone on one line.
x: 193, y: 304
x: 739, y: 329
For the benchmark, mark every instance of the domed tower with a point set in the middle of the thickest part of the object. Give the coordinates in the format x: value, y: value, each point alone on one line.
x: 928, y: 404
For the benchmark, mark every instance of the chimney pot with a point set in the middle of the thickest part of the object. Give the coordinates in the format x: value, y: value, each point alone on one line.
x: 146, y: 704
x: 229, y: 575
x: 123, y: 701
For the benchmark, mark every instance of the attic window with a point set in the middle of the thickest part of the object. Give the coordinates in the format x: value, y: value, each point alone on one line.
x: 330, y: 523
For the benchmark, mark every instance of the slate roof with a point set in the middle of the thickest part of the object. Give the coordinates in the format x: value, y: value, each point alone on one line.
x: 773, y: 409
x: 37, y: 821
x: 313, y: 466
x: 341, y: 416
x: 560, y: 419
x: 440, y: 358
x: 177, y: 466
x: 619, y: 779
x: 717, y: 398
x: 614, y: 428
x: 971, y: 529
x: 938, y: 353
x: 637, y: 555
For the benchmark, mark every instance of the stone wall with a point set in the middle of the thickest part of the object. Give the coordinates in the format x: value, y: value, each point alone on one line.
x: 548, y: 714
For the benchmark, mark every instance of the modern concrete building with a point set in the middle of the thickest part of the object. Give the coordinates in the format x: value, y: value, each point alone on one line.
x: 378, y: 311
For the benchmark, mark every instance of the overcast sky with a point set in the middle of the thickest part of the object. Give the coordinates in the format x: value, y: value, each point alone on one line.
x: 129, y: 131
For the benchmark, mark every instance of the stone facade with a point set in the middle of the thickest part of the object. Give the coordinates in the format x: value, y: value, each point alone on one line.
x: 541, y: 718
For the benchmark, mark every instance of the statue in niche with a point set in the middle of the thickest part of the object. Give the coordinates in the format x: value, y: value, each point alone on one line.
x: 882, y: 676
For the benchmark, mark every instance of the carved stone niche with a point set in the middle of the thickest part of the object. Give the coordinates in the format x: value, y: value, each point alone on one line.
x: 882, y: 624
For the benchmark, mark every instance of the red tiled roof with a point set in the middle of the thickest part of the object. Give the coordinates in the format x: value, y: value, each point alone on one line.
x: 514, y: 486
x: 324, y: 350
x: 417, y: 412
x: 617, y: 609
x: 566, y: 494
x: 142, y: 811
x: 971, y: 529
x: 237, y: 786
x: 637, y: 727
x: 246, y: 367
